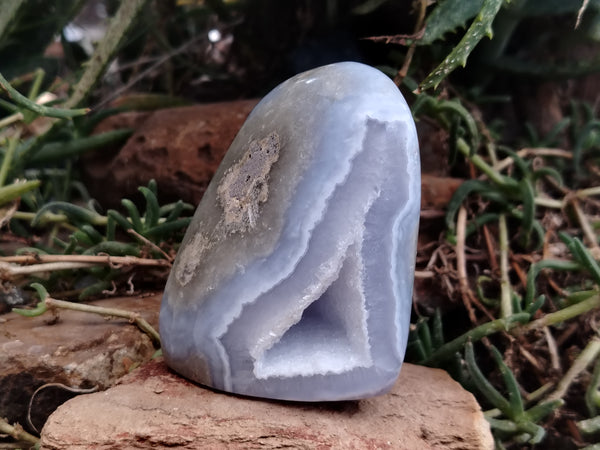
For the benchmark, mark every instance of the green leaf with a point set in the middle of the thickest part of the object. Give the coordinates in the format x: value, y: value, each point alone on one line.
x: 528, y: 209
x: 93, y: 234
x: 41, y: 110
x: 484, y: 386
x: 15, y: 190
x: 134, y: 216
x: 438, y: 331
x: 450, y: 348
x: 537, y: 267
x: 425, y: 336
x: 481, y: 26
x: 74, y: 213
x: 117, y: 217
x: 447, y: 16
x: 168, y: 227
x: 40, y: 307
x: 41, y: 291
x: 464, y: 190
x: 37, y: 311
x: 113, y: 248
x: 586, y: 259
x: 94, y: 289
x: 174, y: 210
x: 514, y: 395
x: 152, y: 208
x: 59, y: 151
x: 539, y: 412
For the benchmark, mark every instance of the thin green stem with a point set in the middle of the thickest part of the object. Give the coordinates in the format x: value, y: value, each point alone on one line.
x: 564, y: 314
x: 583, y: 193
x: 48, y: 217
x: 47, y: 111
x: 8, y: 120
x: 585, y: 358
x: 496, y: 177
x: 451, y: 348
x: 105, y: 50
x: 15, y: 190
x: 592, y: 396
x: 17, y: 432
x: 549, y: 203
x: 36, y: 85
x: 129, y: 315
x: 8, y: 157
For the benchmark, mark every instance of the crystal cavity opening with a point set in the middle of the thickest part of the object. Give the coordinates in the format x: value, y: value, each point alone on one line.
x: 330, y: 337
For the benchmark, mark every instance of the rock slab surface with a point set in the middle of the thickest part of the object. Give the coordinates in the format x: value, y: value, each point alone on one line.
x: 154, y: 408
x: 76, y: 349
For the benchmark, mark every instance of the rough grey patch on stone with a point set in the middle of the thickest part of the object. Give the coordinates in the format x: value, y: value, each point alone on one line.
x: 294, y: 279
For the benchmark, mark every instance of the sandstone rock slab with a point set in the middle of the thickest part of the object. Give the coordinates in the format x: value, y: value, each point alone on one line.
x: 153, y: 407
x: 73, y: 348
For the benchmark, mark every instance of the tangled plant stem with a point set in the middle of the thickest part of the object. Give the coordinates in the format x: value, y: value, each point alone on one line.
x: 133, y: 317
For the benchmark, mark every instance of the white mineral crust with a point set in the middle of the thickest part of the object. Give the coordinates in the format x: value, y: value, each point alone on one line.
x: 294, y: 279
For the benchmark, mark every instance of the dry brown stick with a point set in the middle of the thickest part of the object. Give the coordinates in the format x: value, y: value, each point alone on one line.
x: 56, y: 385
x: 508, y: 161
x: 14, y: 270
x: 552, y: 349
x: 461, y: 265
x: 150, y: 244
x: 424, y: 274
x: 491, y: 249
x: 505, y: 288
x: 133, y: 317
x: 17, y: 432
x: 585, y: 358
x: 92, y: 259
x: 411, y: 50
x: 586, y: 228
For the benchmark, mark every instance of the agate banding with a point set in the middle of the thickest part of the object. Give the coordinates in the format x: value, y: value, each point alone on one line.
x: 294, y: 279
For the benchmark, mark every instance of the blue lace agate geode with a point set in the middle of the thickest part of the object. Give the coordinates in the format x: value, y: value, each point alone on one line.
x: 294, y: 279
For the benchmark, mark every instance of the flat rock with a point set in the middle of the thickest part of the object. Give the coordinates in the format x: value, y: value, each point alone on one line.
x: 153, y: 407
x: 76, y: 349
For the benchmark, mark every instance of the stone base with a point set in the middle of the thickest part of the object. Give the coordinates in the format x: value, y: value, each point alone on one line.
x: 153, y: 407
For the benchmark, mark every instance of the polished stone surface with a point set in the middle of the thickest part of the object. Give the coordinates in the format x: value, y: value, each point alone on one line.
x: 294, y: 279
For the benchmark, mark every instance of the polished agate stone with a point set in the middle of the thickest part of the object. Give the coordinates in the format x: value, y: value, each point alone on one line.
x: 294, y: 279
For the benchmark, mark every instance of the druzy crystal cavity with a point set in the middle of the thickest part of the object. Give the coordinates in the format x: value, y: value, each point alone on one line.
x: 294, y: 279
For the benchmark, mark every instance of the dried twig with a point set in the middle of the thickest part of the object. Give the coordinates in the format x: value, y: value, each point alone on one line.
x: 507, y: 162
x: 150, y: 244
x: 133, y: 317
x: 585, y: 358
x: 419, y: 28
x: 92, y: 259
x: 17, y: 432
x: 505, y: 290
x: 461, y: 266
x: 57, y: 385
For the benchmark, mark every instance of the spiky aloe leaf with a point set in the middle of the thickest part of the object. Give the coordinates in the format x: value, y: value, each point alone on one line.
x: 447, y: 17
x: 481, y: 26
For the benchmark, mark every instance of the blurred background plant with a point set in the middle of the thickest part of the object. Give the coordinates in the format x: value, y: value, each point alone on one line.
x: 514, y: 254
